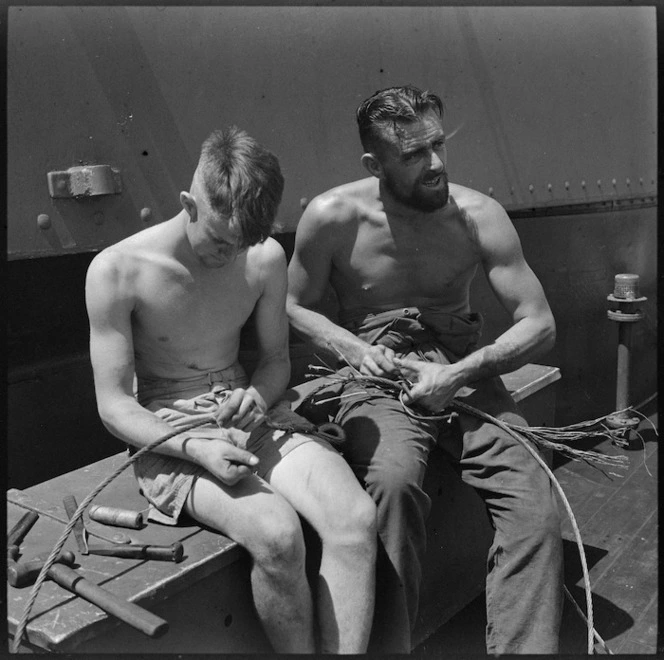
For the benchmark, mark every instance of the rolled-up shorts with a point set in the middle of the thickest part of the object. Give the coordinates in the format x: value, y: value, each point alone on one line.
x: 166, y: 481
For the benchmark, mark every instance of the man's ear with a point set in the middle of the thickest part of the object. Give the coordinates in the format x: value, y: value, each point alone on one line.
x: 372, y: 165
x: 189, y: 205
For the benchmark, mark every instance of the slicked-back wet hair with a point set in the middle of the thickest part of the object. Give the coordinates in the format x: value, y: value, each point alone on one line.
x: 243, y: 182
x: 389, y: 107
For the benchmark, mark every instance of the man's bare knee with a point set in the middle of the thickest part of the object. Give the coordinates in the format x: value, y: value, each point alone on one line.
x: 277, y: 543
x: 352, y: 521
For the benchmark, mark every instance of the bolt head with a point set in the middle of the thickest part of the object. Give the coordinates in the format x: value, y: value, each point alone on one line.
x: 43, y: 221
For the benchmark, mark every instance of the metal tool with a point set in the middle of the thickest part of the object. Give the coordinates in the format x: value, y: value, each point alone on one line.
x: 173, y: 552
x: 17, y: 573
x: 24, y: 573
x: 18, y: 531
x: 132, y: 614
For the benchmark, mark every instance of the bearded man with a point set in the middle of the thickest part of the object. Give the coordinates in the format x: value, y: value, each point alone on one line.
x: 400, y: 250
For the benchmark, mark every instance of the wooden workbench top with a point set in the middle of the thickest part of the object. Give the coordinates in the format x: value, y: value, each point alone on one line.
x: 60, y: 620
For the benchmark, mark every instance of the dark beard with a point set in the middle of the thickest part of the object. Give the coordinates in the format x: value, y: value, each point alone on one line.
x: 419, y: 199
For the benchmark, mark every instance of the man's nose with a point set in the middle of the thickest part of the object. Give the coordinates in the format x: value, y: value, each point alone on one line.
x: 436, y: 164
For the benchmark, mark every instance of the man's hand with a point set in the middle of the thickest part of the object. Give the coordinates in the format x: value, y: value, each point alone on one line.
x: 434, y: 385
x: 227, y: 462
x: 243, y: 409
x: 378, y: 361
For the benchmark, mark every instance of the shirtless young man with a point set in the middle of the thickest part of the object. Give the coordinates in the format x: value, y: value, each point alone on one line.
x: 167, y: 305
x: 400, y: 249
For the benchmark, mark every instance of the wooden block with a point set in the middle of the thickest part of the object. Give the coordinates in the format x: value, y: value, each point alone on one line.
x: 529, y: 379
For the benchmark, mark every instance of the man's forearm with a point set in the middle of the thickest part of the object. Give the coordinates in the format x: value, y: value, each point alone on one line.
x: 270, y: 378
x: 523, y: 342
x: 326, y: 336
x: 139, y: 427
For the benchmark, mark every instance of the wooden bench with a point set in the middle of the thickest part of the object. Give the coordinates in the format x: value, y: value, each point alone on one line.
x: 206, y: 598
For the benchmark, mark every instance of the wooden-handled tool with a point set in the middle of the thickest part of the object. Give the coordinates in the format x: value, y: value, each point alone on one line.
x: 18, y: 531
x: 173, y: 552
x: 68, y: 578
x: 22, y: 574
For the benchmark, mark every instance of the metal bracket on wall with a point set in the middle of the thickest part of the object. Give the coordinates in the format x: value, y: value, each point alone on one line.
x: 84, y: 181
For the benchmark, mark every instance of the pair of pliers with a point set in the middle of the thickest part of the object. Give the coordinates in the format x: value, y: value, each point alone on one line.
x: 173, y: 552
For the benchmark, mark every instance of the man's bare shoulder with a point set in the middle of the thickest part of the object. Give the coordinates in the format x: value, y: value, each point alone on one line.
x: 126, y: 257
x: 476, y: 205
x: 268, y: 256
x: 472, y: 200
x: 342, y: 204
x: 486, y: 220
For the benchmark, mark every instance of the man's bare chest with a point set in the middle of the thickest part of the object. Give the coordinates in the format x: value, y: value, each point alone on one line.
x: 431, y: 259
x: 177, y: 306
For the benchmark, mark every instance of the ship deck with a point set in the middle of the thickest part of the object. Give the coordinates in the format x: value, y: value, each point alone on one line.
x: 618, y: 521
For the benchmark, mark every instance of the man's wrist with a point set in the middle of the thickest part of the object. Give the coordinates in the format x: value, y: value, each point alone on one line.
x: 462, y: 373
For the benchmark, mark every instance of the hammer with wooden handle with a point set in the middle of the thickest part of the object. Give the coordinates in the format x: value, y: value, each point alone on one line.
x: 21, y: 574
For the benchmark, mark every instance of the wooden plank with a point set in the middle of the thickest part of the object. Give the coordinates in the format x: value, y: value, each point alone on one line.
x: 611, y: 531
x: 60, y: 619
x: 589, y: 491
x: 585, y: 498
x: 529, y: 379
x: 643, y: 635
x: 635, y: 648
x: 628, y: 583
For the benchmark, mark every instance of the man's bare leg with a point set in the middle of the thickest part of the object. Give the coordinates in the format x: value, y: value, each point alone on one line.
x: 267, y: 526
x: 322, y: 488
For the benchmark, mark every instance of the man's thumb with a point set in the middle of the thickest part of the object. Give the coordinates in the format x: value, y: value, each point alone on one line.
x: 242, y: 456
x: 406, y: 365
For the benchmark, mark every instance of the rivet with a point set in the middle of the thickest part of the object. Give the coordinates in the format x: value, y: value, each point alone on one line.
x: 146, y: 214
x: 599, y: 183
x: 566, y: 185
x: 613, y: 183
x: 628, y: 182
x: 304, y: 202
x: 640, y: 180
x: 549, y: 187
x: 491, y: 192
x: 511, y: 190
x: 583, y: 184
x: 43, y: 221
x: 531, y: 188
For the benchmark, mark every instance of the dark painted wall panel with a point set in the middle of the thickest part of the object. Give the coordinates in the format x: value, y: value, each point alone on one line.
x: 534, y: 96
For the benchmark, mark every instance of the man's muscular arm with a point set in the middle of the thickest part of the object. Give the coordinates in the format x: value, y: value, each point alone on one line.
x: 110, y: 302
x: 318, y: 234
x: 520, y: 292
